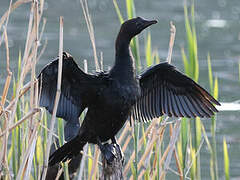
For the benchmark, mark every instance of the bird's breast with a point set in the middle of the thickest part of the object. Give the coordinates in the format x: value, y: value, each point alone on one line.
x: 125, y: 93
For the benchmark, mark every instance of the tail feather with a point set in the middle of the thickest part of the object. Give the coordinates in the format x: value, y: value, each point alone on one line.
x: 67, y: 151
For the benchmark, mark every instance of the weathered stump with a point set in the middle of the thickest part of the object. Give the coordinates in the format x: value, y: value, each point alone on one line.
x: 113, y: 170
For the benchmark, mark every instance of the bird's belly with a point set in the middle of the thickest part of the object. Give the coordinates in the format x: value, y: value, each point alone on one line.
x: 106, y: 120
x: 110, y: 121
x: 111, y: 111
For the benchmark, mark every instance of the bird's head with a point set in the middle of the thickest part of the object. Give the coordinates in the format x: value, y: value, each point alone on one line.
x: 133, y: 27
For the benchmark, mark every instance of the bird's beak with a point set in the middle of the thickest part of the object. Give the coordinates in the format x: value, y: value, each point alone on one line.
x: 149, y: 23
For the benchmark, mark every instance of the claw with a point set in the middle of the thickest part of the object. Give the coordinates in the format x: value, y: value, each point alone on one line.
x: 118, y: 148
x: 108, y: 151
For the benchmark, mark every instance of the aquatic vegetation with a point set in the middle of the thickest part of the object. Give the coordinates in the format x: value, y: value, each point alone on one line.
x: 161, y: 148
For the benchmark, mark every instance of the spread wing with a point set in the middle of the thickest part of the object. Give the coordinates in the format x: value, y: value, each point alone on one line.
x: 76, y: 88
x: 164, y: 90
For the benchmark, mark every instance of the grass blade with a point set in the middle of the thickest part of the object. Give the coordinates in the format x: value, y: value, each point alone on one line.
x: 210, y: 77
x: 226, y: 159
x: 148, y: 50
x: 185, y: 62
x: 118, y: 11
x: 130, y: 8
x: 184, y: 140
x: 90, y: 163
x: 215, y: 89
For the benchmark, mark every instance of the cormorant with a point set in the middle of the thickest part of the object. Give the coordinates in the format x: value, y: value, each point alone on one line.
x: 111, y: 98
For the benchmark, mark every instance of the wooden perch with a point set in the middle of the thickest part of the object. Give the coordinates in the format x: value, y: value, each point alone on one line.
x: 114, y: 170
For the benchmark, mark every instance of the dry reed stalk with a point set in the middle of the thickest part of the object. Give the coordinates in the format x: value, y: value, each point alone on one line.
x: 31, y: 145
x: 162, y: 176
x: 14, y: 107
x: 43, y: 126
x: 41, y: 5
x: 60, y: 171
x: 58, y: 93
x: 156, y: 134
x: 148, y: 149
x: 161, y: 130
x: 156, y: 159
x: 90, y: 31
x: 126, y: 143
x: 191, y: 163
x: 23, y: 90
x: 123, y: 134
x: 9, y: 77
x: 101, y: 61
x: 165, y: 154
x: 171, y: 41
x: 172, y: 143
x: 30, y: 156
x: 180, y: 174
x: 178, y: 164
x: 3, y: 155
x: 80, y: 175
x: 42, y: 50
x: 26, y: 164
x: 43, y: 28
x: 18, y: 123
x: 127, y: 167
x: 33, y: 102
x: 141, y: 174
x: 27, y: 44
x: 34, y: 34
x: 13, y: 7
x: 85, y: 65
x: 7, y: 17
x: 40, y: 38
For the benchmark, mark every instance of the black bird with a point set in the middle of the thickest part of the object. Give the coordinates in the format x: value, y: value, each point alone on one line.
x: 111, y: 98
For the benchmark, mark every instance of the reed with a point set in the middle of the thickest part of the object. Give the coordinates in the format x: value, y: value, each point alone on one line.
x: 239, y: 71
x: 191, y: 131
x: 226, y: 159
x: 214, y: 92
x: 153, y: 151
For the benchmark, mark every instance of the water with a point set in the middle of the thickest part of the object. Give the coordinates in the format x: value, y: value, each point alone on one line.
x: 217, y: 24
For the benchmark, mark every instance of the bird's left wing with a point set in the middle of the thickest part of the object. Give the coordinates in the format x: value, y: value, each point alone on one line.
x: 164, y: 90
x: 77, y: 88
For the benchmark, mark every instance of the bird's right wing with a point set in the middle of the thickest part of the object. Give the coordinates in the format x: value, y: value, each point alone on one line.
x: 165, y: 90
x: 76, y: 88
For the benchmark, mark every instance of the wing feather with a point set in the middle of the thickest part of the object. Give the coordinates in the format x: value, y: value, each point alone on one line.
x: 75, y: 88
x: 165, y: 90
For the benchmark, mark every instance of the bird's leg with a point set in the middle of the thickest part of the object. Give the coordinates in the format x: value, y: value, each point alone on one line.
x: 107, y: 150
x: 119, y: 149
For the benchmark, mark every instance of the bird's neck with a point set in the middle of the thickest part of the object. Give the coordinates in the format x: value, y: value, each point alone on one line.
x: 124, y: 66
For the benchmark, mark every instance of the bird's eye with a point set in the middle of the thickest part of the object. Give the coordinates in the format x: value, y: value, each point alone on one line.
x: 139, y: 24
